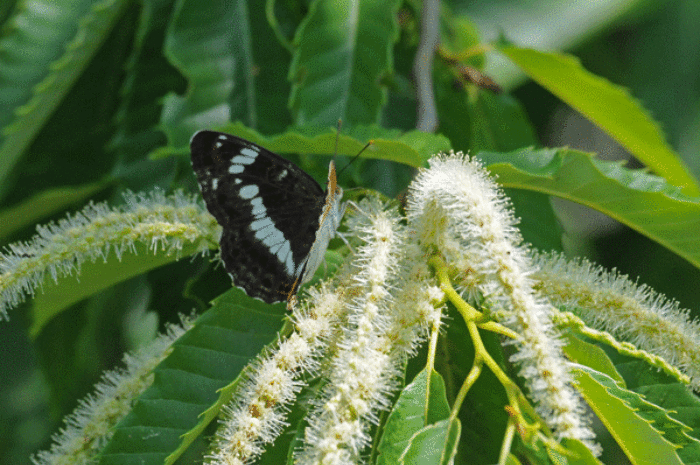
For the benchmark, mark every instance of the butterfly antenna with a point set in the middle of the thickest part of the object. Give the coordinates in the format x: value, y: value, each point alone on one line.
x: 371, y: 142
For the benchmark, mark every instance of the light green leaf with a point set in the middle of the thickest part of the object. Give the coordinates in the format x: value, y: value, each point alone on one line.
x: 512, y: 460
x: 609, y: 106
x: 592, y: 356
x: 644, y: 202
x: 434, y: 444
x: 412, y: 148
x: 583, y: 455
x: 679, y: 402
x: 344, y: 49
x: 420, y: 403
x: 642, y: 444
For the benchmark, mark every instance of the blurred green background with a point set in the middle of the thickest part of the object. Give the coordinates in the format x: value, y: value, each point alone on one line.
x: 651, y: 47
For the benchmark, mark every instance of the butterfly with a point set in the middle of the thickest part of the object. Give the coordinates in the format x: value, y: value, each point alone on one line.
x: 276, y: 219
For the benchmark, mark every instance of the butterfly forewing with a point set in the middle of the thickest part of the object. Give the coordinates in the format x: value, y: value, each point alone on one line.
x: 268, y: 208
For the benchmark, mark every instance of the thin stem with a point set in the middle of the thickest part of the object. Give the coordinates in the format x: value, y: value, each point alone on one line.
x: 481, y: 355
x: 432, y: 348
x: 473, y: 375
x: 507, y: 442
x: 464, y: 54
x: 468, y: 312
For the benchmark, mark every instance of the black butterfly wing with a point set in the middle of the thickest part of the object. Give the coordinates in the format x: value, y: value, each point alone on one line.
x: 268, y: 207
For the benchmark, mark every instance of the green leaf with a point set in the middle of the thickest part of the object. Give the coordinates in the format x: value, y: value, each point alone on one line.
x: 434, y: 444
x: 679, y: 402
x: 192, y: 384
x: 512, y: 460
x: 47, y: 50
x: 46, y: 203
x: 592, y: 356
x: 211, y: 48
x: 609, y: 106
x: 55, y: 296
x: 498, y: 123
x: 412, y: 148
x: 344, y: 50
x: 642, y: 444
x: 421, y: 403
x: 149, y: 77
x: 582, y: 454
x: 538, y: 224
x: 644, y: 202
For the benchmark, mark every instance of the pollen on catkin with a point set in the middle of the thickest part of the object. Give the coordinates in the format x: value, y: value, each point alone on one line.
x: 89, y: 427
x: 365, y: 366
x: 631, y: 312
x: 459, y: 212
x: 258, y: 415
x: 163, y: 224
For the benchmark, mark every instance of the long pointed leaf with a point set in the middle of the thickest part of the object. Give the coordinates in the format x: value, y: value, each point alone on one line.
x: 344, y: 50
x: 211, y: 47
x: 644, y: 202
x: 609, y: 106
x: 51, y: 45
x: 642, y: 444
x: 185, y: 394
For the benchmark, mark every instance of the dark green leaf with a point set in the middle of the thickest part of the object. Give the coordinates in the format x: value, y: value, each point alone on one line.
x: 211, y: 48
x: 46, y: 203
x: 192, y: 384
x: 47, y: 51
x: 343, y: 52
x: 55, y: 297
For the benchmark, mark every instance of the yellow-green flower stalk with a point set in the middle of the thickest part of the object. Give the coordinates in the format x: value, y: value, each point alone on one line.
x: 461, y: 214
x: 162, y: 223
x: 631, y: 312
x: 89, y: 427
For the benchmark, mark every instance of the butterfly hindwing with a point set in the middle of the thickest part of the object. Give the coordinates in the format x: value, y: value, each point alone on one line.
x: 268, y: 207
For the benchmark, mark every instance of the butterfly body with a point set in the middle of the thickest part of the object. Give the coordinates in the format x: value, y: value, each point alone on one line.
x: 276, y: 220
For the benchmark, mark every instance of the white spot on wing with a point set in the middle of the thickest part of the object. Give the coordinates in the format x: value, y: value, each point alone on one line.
x: 218, y: 145
x: 285, y: 256
x: 259, y: 210
x: 223, y: 137
x: 235, y: 169
x: 242, y: 160
x: 248, y: 192
x: 214, y: 184
x: 282, y: 175
x: 250, y: 152
x: 269, y: 235
x: 262, y: 223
